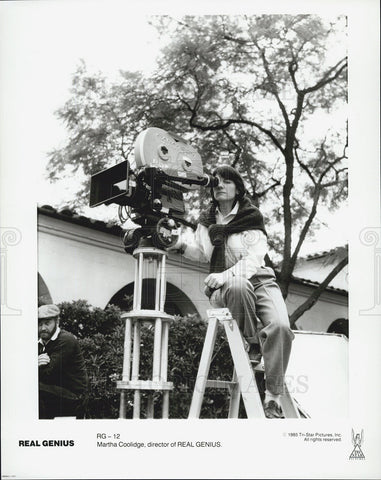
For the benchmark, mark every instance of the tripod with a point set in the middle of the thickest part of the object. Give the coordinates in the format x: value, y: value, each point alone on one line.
x: 151, y: 262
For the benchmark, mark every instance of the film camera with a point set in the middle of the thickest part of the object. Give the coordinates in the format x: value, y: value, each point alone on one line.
x: 152, y: 187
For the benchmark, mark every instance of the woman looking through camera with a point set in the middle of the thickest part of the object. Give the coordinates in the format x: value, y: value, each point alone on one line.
x: 231, y: 236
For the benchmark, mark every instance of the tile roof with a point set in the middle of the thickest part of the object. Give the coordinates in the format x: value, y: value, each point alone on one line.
x: 68, y: 215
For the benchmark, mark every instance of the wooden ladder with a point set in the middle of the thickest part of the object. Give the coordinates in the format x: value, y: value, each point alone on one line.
x: 243, y: 381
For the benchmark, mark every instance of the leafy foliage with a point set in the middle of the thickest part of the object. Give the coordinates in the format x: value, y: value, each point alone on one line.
x: 101, y: 339
x: 228, y: 84
x: 83, y: 320
x: 263, y: 90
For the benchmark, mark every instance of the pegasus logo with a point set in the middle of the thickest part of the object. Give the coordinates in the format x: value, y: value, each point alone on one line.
x: 357, y: 441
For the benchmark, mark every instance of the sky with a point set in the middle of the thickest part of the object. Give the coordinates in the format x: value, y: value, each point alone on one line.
x: 44, y: 42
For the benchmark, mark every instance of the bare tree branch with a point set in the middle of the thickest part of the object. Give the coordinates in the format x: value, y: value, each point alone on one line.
x: 331, y: 165
x: 271, y: 187
x: 319, y: 186
x: 238, y: 149
x: 292, y: 69
x: 310, y: 302
x: 274, y: 89
x: 327, y: 77
x: 234, y: 121
x: 240, y: 41
x: 304, y: 166
x: 306, y: 226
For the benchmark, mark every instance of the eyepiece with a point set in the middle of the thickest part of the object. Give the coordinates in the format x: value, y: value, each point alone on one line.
x: 210, y: 181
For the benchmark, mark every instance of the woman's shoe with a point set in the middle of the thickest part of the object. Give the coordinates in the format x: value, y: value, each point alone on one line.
x: 273, y: 410
x: 255, y: 354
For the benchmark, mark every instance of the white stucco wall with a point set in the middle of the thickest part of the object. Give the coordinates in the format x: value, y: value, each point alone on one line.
x: 328, y: 308
x: 78, y: 262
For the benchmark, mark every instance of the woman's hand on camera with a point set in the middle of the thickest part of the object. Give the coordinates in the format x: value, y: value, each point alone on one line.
x: 178, y: 246
x: 215, y: 280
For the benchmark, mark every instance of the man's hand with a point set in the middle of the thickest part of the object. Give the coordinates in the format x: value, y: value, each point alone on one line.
x: 215, y: 280
x: 43, y: 359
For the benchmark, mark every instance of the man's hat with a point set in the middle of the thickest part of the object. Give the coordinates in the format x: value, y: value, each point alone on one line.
x: 48, y: 311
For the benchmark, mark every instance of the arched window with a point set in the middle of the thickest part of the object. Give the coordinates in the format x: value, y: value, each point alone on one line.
x: 176, y: 302
x: 340, y: 325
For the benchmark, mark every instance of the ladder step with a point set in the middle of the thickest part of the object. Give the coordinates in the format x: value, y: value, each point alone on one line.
x: 221, y: 384
x: 148, y: 315
x: 143, y: 385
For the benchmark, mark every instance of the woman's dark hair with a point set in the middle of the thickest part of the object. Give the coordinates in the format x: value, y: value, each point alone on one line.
x: 229, y: 173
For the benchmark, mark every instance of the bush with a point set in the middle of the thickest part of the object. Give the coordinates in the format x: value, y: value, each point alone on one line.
x: 83, y: 320
x: 101, y: 336
x: 186, y: 340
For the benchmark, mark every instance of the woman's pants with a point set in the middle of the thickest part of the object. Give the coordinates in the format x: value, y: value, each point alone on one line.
x: 258, y: 302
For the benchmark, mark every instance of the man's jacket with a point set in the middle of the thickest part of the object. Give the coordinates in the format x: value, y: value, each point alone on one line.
x: 67, y: 367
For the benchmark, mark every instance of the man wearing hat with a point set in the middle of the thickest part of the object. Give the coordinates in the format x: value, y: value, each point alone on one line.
x: 63, y: 379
